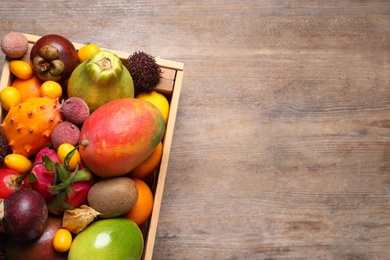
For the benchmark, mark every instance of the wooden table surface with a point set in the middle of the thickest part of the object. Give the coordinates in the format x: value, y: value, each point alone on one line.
x: 281, y: 148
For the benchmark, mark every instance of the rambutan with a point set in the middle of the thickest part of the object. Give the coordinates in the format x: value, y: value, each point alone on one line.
x: 144, y: 70
x: 5, y: 149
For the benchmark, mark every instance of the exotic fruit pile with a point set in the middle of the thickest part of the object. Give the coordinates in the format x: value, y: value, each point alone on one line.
x: 81, y: 138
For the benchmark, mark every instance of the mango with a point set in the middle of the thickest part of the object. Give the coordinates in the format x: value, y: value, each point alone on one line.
x: 100, y: 79
x: 115, y: 238
x: 119, y: 135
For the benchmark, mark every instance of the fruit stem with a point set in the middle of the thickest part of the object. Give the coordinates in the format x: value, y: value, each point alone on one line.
x: 40, y: 64
x: 84, y: 142
x: 18, y: 180
x: 104, y: 64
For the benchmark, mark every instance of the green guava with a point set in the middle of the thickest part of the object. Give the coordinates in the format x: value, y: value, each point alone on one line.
x: 114, y: 238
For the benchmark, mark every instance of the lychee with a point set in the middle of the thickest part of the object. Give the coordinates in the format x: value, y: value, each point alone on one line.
x: 75, y: 110
x: 65, y: 132
x: 14, y: 45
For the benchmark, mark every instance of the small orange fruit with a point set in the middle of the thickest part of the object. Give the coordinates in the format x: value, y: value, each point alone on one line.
x: 21, y: 69
x: 87, y: 51
x: 62, y: 240
x: 17, y: 162
x: 63, y: 151
x: 28, y: 87
x: 144, y: 206
x: 9, y: 97
x: 51, y: 89
x: 149, y: 164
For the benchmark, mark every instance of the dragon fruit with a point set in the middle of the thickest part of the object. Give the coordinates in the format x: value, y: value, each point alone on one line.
x: 63, y: 189
x: 72, y: 192
x: 29, y: 125
x: 43, y: 175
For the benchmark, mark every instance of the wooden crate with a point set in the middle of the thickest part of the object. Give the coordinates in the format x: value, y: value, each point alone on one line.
x: 170, y: 86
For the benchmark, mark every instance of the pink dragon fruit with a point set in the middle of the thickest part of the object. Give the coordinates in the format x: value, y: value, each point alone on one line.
x: 43, y: 175
x: 63, y: 189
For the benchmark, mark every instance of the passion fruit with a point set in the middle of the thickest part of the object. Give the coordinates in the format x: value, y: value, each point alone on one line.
x: 25, y: 214
x: 39, y: 248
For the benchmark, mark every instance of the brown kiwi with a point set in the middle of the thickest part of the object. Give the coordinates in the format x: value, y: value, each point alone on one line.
x: 113, y: 197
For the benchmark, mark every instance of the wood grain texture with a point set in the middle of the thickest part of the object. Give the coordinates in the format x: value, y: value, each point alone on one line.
x: 281, y: 144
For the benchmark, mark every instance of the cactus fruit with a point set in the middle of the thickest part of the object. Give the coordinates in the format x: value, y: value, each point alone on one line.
x: 29, y: 125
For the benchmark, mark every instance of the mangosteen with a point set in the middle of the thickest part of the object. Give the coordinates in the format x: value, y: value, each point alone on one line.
x: 53, y: 57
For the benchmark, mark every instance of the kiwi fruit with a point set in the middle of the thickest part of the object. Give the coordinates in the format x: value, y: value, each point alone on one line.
x: 113, y: 197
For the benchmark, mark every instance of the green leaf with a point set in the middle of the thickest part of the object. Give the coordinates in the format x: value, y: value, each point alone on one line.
x: 62, y: 172
x: 49, y: 164
x: 83, y: 175
x: 69, y: 157
x: 58, y: 205
x: 32, y: 178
